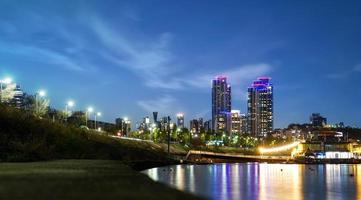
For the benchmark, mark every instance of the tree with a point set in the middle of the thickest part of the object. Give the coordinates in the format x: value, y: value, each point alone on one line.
x: 39, y: 107
x: 184, y: 136
x: 174, y: 135
x: 155, y: 135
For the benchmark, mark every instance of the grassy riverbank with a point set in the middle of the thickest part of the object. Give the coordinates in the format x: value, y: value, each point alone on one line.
x: 24, y: 138
x: 80, y: 179
x: 29, y: 146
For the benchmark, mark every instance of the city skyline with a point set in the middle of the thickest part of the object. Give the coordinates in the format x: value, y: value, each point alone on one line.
x: 125, y: 68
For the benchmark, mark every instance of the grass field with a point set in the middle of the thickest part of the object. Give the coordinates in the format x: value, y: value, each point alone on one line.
x: 80, y: 179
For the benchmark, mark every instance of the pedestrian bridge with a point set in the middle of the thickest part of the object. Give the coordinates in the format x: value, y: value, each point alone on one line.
x: 194, y: 156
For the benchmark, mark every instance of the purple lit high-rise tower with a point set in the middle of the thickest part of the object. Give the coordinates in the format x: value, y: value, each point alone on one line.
x: 260, y: 107
x: 221, y: 105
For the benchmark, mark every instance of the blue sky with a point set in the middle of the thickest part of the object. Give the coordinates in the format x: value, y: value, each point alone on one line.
x: 129, y: 58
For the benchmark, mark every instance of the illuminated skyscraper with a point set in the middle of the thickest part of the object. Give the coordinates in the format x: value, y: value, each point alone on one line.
x: 180, y: 120
x: 260, y: 107
x: 221, y: 105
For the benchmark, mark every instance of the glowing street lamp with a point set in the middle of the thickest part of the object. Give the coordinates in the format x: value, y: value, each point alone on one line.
x: 90, y: 109
x: 70, y: 103
x: 42, y: 93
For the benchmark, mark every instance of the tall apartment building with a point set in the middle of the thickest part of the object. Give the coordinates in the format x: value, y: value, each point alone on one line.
x: 221, y: 105
x: 260, y: 107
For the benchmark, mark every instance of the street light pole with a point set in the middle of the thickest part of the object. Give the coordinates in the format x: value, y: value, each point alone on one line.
x: 169, y: 129
x: 95, y: 119
x: 66, y: 113
x: 1, y: 91
x: 67, y: 105
x: 87, y: 114
x: 40, y: 93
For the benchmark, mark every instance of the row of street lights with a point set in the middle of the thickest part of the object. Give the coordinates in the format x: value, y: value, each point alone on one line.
x: 87, y: 114
x: 42, y: 93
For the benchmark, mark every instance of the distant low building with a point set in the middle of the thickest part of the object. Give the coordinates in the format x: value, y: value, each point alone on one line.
x: 317, y: 120
x: 101, y: 126
x: 123, y: 125
x: 165, y: 124
x: 145, y: 124
x: 18, y: 100
x: 207, y: 126
x: 195, y: 125
x: 236, y: 122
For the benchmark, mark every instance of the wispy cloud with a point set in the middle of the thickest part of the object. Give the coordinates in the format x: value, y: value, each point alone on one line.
x: 340, y: 75
x: 238, y: 76
x: 357, y: 68
x: 151, y: 59
x: 41, y: 55
x: 345, y: 73
x: 47, y: 40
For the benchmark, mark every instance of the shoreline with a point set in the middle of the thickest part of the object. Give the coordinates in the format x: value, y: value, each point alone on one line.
x: 81, y: 179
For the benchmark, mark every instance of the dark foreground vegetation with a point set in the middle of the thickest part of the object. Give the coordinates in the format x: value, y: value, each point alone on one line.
x: 26, y: 138
x: 80, y: 179
x: 41, y: 159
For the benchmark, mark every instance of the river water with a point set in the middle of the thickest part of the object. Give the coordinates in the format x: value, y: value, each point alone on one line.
x: 263, y: 181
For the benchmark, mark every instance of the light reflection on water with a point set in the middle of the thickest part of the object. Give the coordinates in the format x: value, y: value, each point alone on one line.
x: 263, y: 181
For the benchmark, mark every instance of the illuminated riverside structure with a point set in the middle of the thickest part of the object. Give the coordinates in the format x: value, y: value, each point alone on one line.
x: 221, y: 105
x: 328, y: 147
x: 260, y: 107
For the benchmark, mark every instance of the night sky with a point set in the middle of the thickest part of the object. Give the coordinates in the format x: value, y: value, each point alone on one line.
x: 129, y: 58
